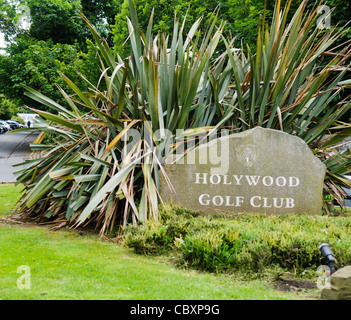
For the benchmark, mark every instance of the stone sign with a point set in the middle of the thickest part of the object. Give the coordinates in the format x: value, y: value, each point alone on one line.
x: 256, y: 171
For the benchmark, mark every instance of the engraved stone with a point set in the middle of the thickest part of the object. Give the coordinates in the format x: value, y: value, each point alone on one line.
x: 257, y: 171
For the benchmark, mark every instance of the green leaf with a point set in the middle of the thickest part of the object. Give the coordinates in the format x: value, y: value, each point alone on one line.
x: 59, y: 120
x: 108, y: 187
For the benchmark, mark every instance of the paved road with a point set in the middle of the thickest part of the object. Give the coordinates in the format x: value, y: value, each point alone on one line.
x: 14, y: 149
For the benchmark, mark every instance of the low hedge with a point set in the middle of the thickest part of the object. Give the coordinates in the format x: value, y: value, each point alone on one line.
x: 247, y: 242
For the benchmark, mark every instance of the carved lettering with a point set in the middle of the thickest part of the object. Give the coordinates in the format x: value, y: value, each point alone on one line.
x: 204, y: 199
x: 294, y: 181
x: 237, y: 179
x: 200, y: 177
x: 258, y: 171
x: 255, y: 201
x: 290, y: 203
x: 267, y: 181
x: 228, y: 201
x: 215, y: 179
x: 225, y: 179
x: 252, y: 180
x: 280, y: 181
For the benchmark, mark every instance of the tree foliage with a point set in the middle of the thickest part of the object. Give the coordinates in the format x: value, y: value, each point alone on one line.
x: 36, y: 63
x: 242, y: 17
x: 10, y: 18
x: 7, y: 108
x: 101, y: 13
x: 58, y: 23
x: 56, y: 20
x: 55, y: 41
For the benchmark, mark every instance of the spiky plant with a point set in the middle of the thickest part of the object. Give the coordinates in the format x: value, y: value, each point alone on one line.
x: 88, y: 175
x: 93, y: 174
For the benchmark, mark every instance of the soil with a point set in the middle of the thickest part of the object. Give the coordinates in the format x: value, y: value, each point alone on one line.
x: 283, y: 284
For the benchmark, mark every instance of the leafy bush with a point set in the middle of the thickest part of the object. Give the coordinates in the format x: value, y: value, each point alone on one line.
x: 156, y: 238
x: 243, y: 241
x: 7, y: 108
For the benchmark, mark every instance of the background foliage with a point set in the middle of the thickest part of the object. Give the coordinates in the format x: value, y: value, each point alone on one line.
x: 58, y: 23
x: 56, y: 40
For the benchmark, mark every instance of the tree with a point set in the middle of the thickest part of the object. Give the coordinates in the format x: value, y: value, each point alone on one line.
x: 164, y: 12
x: 60, y: 20
x: 241, y: 17
x: 56, y: 20
x: 37, y: 63
x: 55, y: 41
x: 7, y: 108
x: 8, y: 19
x: 101, y: 13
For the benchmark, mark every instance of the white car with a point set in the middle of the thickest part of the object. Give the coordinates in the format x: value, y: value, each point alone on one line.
x: 5, y: 124
x: 14, y: 124
x: 2, y: 129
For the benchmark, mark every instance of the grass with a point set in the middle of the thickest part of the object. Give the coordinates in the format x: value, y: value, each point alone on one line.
x: 9, y: 194
x: 65, y: 265
x: 69, y: 265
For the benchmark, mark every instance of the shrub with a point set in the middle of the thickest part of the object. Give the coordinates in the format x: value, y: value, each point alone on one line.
x: 243, y: 241
x: 155, y: 238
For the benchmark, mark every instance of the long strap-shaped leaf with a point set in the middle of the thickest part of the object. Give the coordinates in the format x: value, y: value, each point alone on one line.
x: 59, y: 120
x: 108, y: 187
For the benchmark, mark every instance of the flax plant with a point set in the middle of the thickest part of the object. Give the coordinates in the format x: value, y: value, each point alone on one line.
x: 90, y: 175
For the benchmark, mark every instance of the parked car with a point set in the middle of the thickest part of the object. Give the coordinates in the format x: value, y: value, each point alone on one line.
x: 19, y: 125
x: 5, y: 124
x: 14, y: 124
x: 2, y: 129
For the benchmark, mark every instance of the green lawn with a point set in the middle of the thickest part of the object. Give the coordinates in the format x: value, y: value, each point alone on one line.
x: 68, y: 265
x: 9, y: 194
